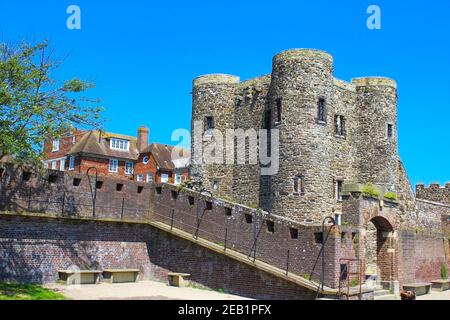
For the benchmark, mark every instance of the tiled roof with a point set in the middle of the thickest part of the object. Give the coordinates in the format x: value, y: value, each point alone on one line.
x: 163, y: 154
x: 96, y: 143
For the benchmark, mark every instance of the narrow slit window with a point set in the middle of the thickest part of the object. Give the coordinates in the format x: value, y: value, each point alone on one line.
x: 299, y: 185
x: 270, y: 226
x: 268, y: 120
x: 294, y: 233
x: 390, y: 130
x: 209, y: 124
x: 338, y: 189
x: 339, y: 122
x: 322, y: 110
x: 279, y: 110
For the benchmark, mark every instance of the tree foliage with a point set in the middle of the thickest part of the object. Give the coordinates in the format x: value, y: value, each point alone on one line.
x: 34, y: 106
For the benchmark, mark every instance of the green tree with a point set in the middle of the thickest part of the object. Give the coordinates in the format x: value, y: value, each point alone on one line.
x: 34, y: 106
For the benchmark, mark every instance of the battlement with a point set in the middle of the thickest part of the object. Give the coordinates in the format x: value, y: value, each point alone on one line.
x: 374, y: 81
x: 293, y: 54
x: 434, y: 192
x: 216, y: 78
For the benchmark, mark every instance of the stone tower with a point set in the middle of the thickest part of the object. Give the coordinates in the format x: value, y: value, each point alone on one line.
x: 301, y: 80
x: 213, y: 103
x: 377, y: 146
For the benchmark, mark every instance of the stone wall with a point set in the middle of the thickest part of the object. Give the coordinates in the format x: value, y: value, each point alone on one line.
x: 434, y: 192
x: 309, y: 148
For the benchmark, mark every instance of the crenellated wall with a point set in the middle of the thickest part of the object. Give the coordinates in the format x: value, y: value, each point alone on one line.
x: 434, y: 192
x: 282, y: 243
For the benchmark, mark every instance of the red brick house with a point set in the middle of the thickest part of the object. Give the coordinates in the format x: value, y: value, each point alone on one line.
x: 117, y: 155
x: 163, y: 163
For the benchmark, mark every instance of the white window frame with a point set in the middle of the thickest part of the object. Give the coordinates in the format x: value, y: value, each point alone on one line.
x: 55, y: 145
x: 140, y: 177
x: 336, y: 188
x: 71, y: 163
x: 119, y: 144
x: 164, y: 177
x: 113, y: 165
x: 74, y: 139
x: 145, y: 160
x: 129, y: 167
x: 177, y: 179
x: 149, y: 180
x: 54, y: 165
x: 62, y: 164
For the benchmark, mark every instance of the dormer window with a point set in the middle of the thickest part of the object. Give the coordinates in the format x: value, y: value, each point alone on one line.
x: 119, y: 144
x: 55, y: 145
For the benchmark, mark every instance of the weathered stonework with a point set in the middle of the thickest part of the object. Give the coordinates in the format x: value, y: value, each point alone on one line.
x: 308, y: 147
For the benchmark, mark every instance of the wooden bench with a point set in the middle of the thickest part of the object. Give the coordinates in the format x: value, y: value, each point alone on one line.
x: 440, y: 285
x: 71, y: 277
x: 178, y: 279
x: 121, y: 275
x: 419, y: 289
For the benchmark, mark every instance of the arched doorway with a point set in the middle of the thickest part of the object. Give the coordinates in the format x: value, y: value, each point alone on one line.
x: 379, y: 250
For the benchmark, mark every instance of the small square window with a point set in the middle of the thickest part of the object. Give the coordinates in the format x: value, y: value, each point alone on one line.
x: 76, y: 182
x: 119, y: 187
x: 318, y: 237
x: 191, y: 200
x: 248, y: 218
x: 26, y: 176
x: 209, y: 124
x: 294, y: 233
x: 270, y: 226
x: 52, y: 178
x: 99, y: 184
x: 140, y: 189
x: 209, y: 205
x: 174, y: 194
x: 228, y: 212
x: 158, y: 190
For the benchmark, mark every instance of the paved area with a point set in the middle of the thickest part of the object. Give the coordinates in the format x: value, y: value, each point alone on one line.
x: 435, y: 295
x: 143, y: 290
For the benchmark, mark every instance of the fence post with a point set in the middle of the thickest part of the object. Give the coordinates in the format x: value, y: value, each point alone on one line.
x: 63, y: 203
x: 287, y: 262
x: 121, y: 210
x: 226, y: 239
x: 29, y: 199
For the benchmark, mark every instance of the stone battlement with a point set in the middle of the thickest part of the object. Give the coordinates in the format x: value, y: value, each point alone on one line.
x: 434, y: 192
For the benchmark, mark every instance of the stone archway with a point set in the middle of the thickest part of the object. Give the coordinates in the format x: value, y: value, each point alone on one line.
x: 380, y: 249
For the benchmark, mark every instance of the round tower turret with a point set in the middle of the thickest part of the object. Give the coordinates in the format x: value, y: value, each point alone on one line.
x: 213, y: 101
x: 302, y: 93
x: 377, y: 135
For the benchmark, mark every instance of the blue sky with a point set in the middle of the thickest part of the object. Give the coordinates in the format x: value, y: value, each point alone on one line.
x: 142, y: 55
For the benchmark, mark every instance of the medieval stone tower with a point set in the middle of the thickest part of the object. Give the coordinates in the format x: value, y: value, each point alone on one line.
x: 331, y: 133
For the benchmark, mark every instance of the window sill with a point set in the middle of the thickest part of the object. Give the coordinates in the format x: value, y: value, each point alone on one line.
x: 322, y: 123
x: 340, y: 136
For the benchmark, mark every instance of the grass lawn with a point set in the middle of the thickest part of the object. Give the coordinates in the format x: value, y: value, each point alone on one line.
x: 14, y: 291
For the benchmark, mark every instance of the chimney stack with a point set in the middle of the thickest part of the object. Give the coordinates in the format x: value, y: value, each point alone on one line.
x: 142, y: 138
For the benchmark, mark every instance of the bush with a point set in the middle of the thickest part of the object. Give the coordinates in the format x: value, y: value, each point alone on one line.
x: 390, y: 195
x: 370, y: 190
x: 444, y: 272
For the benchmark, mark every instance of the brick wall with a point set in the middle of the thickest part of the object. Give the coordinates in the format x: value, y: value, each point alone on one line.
x: 234, y: 225
x: 33, y: 249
